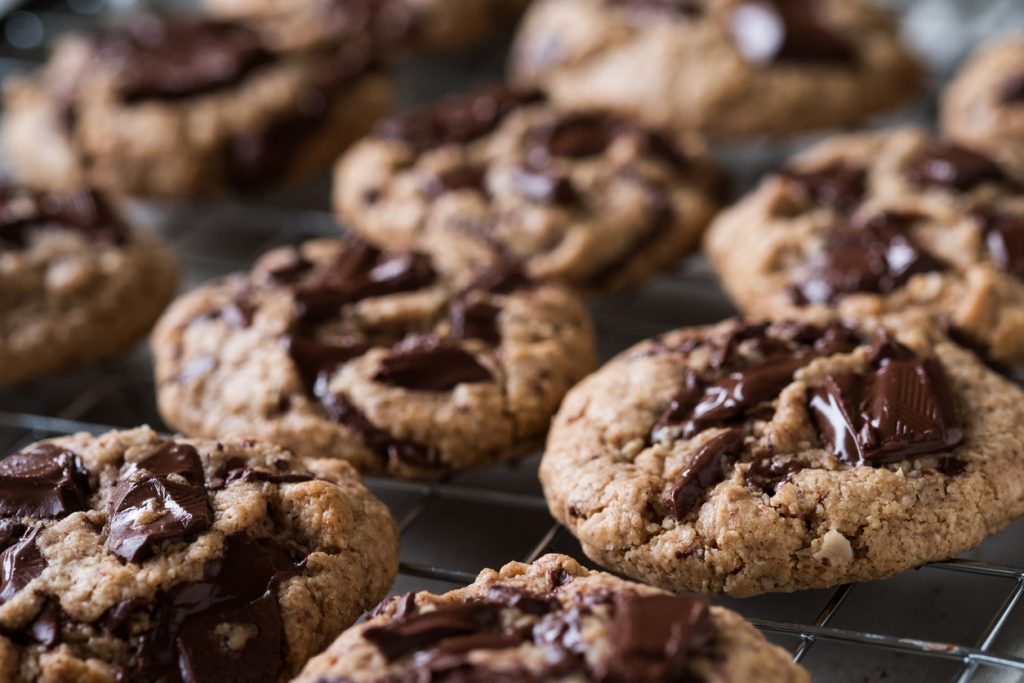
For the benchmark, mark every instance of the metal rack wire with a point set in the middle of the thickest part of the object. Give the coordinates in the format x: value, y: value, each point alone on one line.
x: 959, y: 620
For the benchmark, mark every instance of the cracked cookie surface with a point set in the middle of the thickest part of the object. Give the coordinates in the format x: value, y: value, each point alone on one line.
x: 586, y: 198
x: 133, y: 557
x: 883, y: 222
x: 551, y: 620
x: 747, y: 458
x: 726, y: 67
x: 388, y: 360
x: 77, y: 284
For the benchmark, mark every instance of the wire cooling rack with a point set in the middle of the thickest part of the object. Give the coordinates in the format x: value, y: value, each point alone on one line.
x: 959, y: 620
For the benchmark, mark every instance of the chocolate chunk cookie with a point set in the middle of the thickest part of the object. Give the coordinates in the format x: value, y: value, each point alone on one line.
x: 188, y: 107
x: 394, y: 25
x: 728, y: 67
x: 77, y: 285
x: 983, y: 108
x: 131, y: 557
x: 803, y: 453
x: 884, y: 222
x: 387, y: 360
x: 551, y: 621
x: 589, y: 199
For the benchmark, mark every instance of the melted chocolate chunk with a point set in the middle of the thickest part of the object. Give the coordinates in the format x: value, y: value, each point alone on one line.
x: 45, y: 627
x: 576, y: 136
x: 951, y: 467
x: 840, y: 185
x: 504, y: 277
x: 546, y: 187
x: 517, y: 598
x: 430, y: 364
x: 428, y: 629
x: 943, y: 164
x: 174, y: 59
x: 1004, y: 239
x: 46, y: 481
x: 406, y: 605
x: 313, y: 357
x: 254, y: 474
x: 291, y: 271
x: 1012, y: 91
x: 20, y: 564
x: 458, y: 178
x: 457, y: 120
x: 161, y: 497
x: 878, y: 256
x: 477, y: 320
x: 703, y: 471
x: 183, y: 643
x: 902, y: 407
x: 653, y: 637
x: 768, y: 473
x: 11, y: 532
x: 86, y: 212
x: 780, y: 31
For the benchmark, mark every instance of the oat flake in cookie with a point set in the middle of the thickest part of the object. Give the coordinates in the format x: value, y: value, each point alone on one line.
x: 551, y: 620
x: 131, y: 557
x: 188, y: 107
x: 384, y: 359
x: 589, y: 199
x: 727, y: 67
x: 752, y: 457
x: 77, y: 285
x: 884, y: 222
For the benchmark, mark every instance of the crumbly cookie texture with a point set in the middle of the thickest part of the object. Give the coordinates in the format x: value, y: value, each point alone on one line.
x: 77, y: 285
x: 983, y: 107
x: 883, y: 222
x: 727, y: 67
x: 396, y: 26
x: 134, y: 557
x: 589, y: 199
x: 123, y: 110
x: 747, y: 458
x: 385, y: 359
x: 551, y: 620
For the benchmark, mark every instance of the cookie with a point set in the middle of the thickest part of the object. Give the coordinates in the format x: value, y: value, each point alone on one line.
x: 802, y: 453
x: 124, y: 110
x: 727, y: 67
x: 585, y: 198
x: 883, y: 222
x: 387, y: 360
x: 983, y: 107
x: 551, y: 621
x: 77, y: 284
x: 396, y: 26
x: 133, y: 557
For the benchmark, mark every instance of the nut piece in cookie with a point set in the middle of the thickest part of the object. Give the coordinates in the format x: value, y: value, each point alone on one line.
x: 387, y: 359
x: 552, y: 620
x: 132, y: 557
x: 726, y: 67
x: 776, y: 456
x: 590, y: 199
x: 77, y: 284
x: 884, y: 222
x: 188, y: 107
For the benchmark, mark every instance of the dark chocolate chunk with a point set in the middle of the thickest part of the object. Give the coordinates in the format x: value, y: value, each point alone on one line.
x: 703, y: 471
x: 944, y: 164
x: 768, y: 472
x: 1004, y: 238
x: 951, y: 467
x: 519, y: 599
x: 313, y: 357
x: 575, y: 136
x: 159, y: 498
x: 406, y: 605
x: 170, y: 59
x: 1012, y: 91
x: 504, y: 277
x: 901, y: 408
x: 878, y: 256
x: 457, y: 120
x: 839, y: 185
x: 426, y: 630
x: 476, y: 320
x: 545, y: 186
x: 86, y: 212
x: 46, y: 481
x: 45, y: 627
x: 254, y: 474
x: 11, y: 532
x: 290, y: 272
x: 20, y: 564
x: 780, y: 31
x: 430, y: 364
x: 458, y: 178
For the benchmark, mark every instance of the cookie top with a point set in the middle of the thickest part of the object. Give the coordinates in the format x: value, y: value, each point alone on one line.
x: 133, y: 557
x: 552, y: 621
x: 728, y: 67
x: 590, y: 199
x: 183, y: 106
x: 385, y: 359
x: 76, y: 282
x: 983, y: 107
x: 752, y: 457
x: 883, y: 222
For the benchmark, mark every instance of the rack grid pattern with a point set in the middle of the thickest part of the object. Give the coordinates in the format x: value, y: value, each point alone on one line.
x: 960, y: 620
